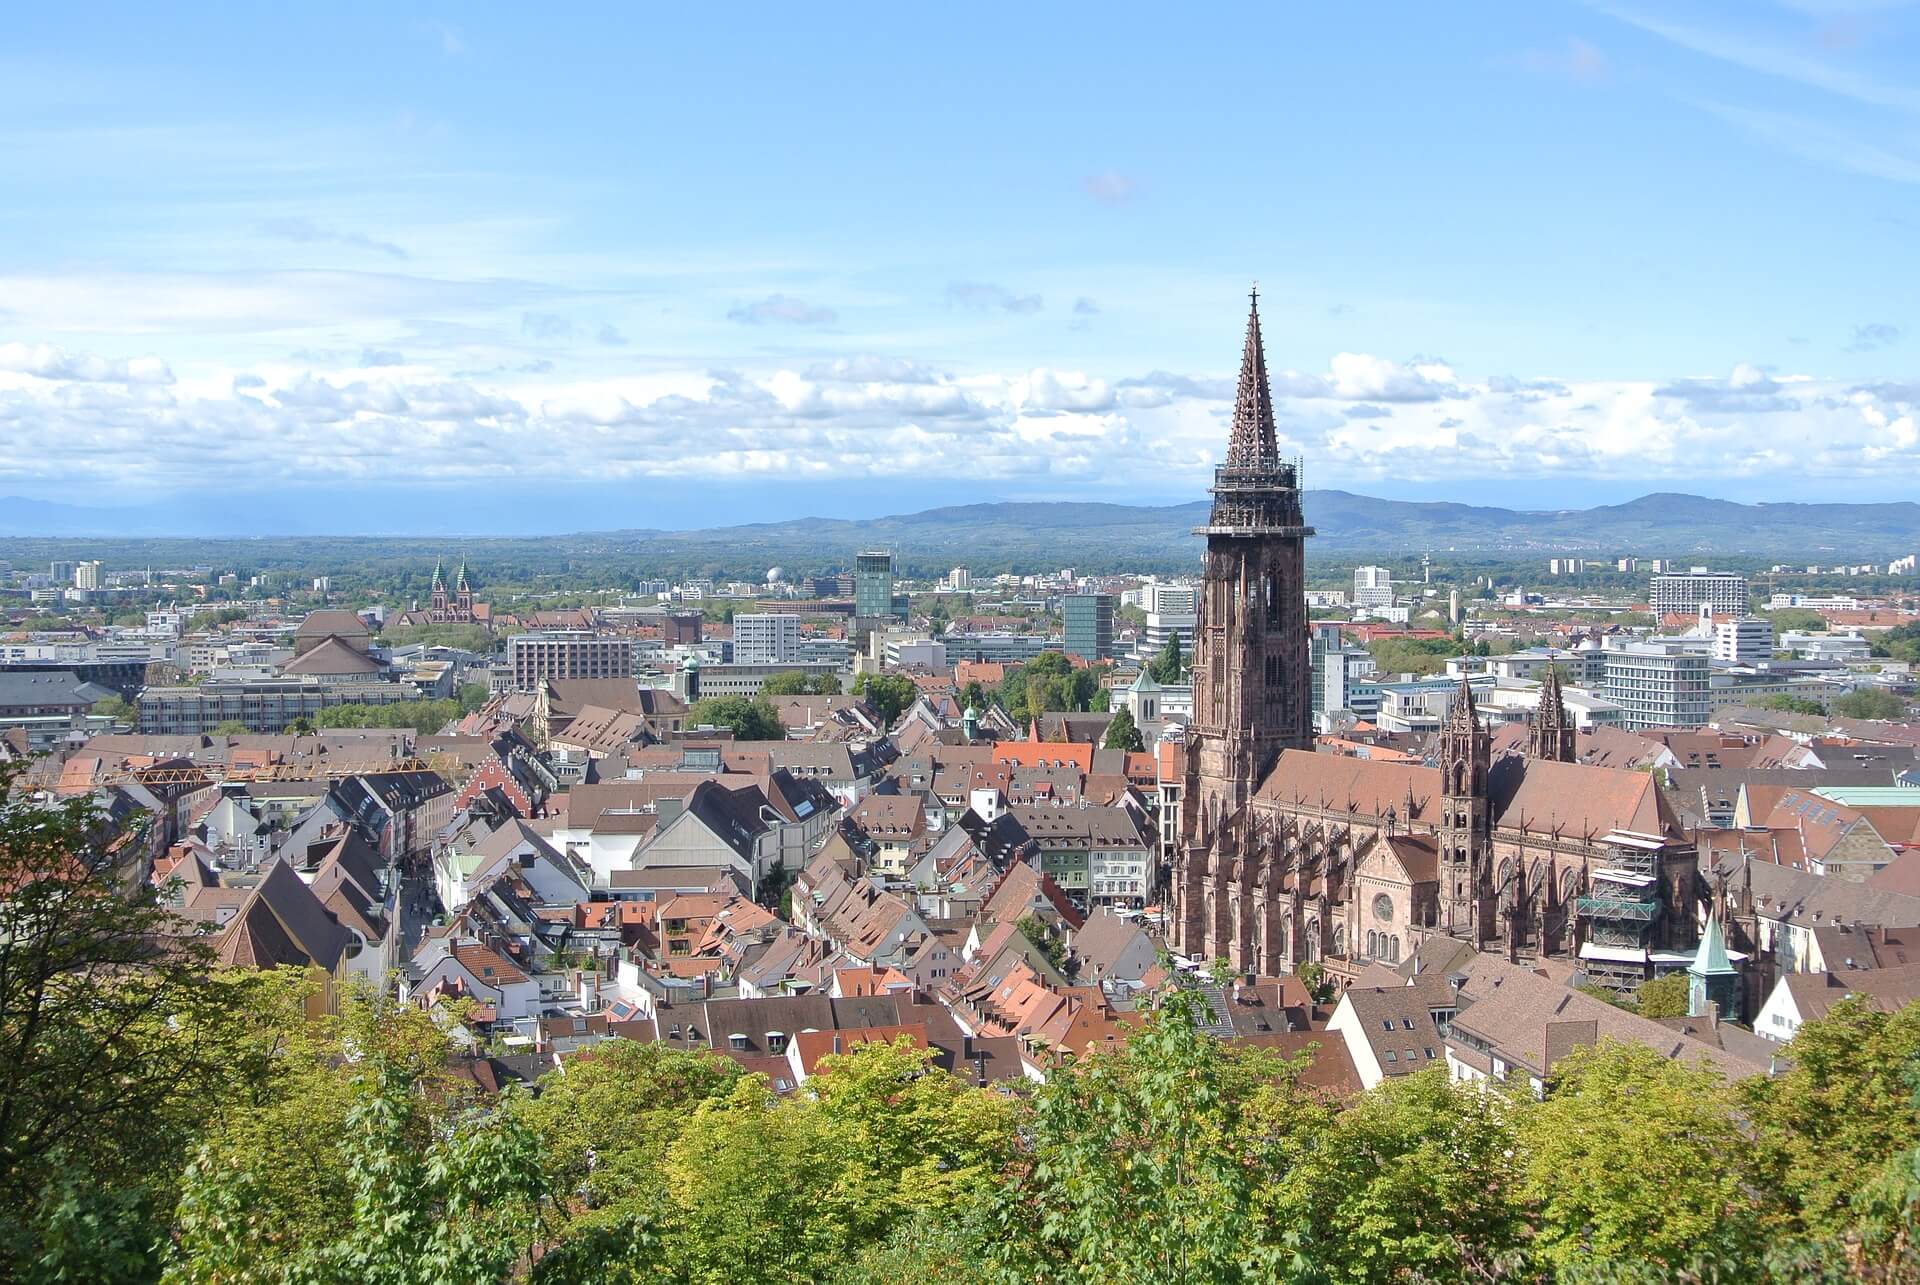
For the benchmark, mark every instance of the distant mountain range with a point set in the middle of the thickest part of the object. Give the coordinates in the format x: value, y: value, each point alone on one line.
x: 1093, y: 536
x: 1100, y: 535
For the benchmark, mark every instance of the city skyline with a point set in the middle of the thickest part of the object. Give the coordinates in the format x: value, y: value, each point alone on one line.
x: 673, y: 280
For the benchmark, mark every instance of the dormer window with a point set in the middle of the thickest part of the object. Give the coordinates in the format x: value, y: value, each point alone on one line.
x: 776, y: 1042
x: 737, y: 1042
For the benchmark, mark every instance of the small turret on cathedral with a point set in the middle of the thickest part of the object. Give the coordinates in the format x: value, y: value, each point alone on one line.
x: 1551, y: 735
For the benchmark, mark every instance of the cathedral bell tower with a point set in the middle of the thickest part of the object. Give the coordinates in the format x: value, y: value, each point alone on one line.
x: 1251, y: 689
x: 438, y: 603
x: 1466, y: 830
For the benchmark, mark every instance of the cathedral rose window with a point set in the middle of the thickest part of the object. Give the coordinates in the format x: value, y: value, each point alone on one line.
x: 1383, y: 907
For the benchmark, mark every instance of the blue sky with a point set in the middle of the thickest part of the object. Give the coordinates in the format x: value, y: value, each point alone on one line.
x: 378, y: 265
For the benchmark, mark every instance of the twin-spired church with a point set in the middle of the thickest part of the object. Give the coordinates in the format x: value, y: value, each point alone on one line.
x: 1289, y: 856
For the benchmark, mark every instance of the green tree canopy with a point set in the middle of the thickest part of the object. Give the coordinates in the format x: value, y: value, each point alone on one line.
x: 1169, y: 666
x: 1123, y: 733
x: 1665, y: 1183
x: 1868, y: 702
x: 1792, y: 704
x: 425, y: 717
x: 797, y: 683
x: 751, y: 719
x: 889, y: 694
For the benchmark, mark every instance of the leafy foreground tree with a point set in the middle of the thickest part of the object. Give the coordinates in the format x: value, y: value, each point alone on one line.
x: 1637, y: 1166
x: 368, y: 1159
x: 428, y: 1196
x: 114, y: 1043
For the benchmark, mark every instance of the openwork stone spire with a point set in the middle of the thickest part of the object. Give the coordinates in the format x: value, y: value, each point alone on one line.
x: 1552, y: 734
x: 1253, y: 441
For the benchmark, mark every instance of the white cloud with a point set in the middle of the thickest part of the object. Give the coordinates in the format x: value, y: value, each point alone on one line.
x: 48, y: 362
x: 980, y: 294
x: 1365, y: 419
x: 783, y: 310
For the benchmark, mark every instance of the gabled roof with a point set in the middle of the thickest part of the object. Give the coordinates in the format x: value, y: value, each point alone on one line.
x: 332, y: 657
x: 1578, y: 799
x: 282, y: 922
x: 1338, y: 782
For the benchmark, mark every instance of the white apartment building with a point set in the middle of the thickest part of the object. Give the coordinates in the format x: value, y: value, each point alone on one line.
x: 1372, y: 587
x: 1743, y: 640
x: 1169, y: 599
x: 1834, y: 647
x: 1685, y: 592
x: 766, y: 638
x: 1662, y: 682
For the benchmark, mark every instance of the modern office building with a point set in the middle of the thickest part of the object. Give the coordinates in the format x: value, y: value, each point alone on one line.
x: 1162, y: 626
x: 1169, y: 599
x: 86, y: 575
x: 1743, y: 640
x: 265, y: 705
x: 1089, y: 625
x: 873, y: 584
x: 1005, y: 649
x: 567, y: 654
x: 1659, y: 683
x: 695, y: 682
x: 1348, y: 682
x: 1682, y: 593
x: 766, y: 638
x: 1372, y: 587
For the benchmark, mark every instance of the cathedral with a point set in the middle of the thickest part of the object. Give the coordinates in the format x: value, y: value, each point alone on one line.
x: 1287, y: 856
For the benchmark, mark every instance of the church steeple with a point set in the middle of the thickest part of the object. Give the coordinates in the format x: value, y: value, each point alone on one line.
x: 1466, y: 832
x: 1253, y: 443
x: 1252, y: 691
x: 1551, y: 736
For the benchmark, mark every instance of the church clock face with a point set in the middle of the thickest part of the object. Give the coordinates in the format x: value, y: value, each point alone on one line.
x: 1383, y: 908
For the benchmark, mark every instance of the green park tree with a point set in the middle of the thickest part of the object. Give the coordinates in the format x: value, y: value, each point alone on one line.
x: 1169, y: 666
x: 1867, y: 702
x: 1123, y: 733
x: 889, y: 694
x: 751, y: 719
x: 796, y: 683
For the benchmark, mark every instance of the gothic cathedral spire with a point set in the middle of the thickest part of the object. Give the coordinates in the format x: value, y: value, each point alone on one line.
x: 1252, y: 444
x: 1251, y: 687
x: 1551, y: 735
